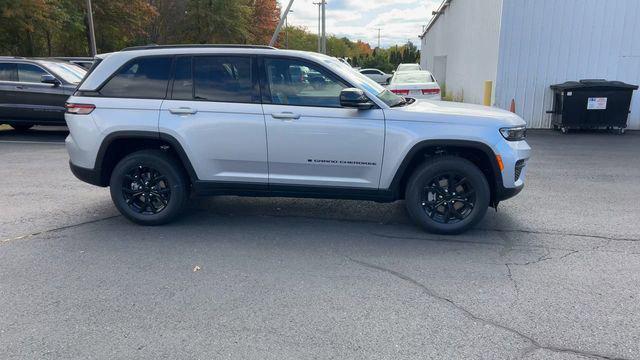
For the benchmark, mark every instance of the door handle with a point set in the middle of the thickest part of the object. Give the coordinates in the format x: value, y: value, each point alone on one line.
x: 183, y: 111
x: 20, y: 87
x: 285, y: 116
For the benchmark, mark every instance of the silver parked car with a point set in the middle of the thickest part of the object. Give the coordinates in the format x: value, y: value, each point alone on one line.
x: 376, y: 75
x: 160, y: 123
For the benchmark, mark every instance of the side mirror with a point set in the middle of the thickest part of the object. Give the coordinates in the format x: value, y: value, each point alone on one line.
x: 355, y: 98
x: 49, y: 79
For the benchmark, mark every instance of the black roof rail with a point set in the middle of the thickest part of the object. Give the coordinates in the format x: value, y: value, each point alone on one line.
x: 182, y: 46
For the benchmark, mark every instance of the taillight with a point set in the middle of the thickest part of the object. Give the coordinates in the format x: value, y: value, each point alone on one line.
x: 79, y: 109
x: 430, y: 91
x: 400, y: 92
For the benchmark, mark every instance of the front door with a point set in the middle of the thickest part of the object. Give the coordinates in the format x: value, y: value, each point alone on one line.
x: 312, y: 140
x: 214, y: 111
x: 36, y: 100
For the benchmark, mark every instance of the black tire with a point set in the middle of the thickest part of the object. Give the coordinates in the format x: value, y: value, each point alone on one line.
x: 464, y: 203
x: 153, y: 173
x: 21, y: 127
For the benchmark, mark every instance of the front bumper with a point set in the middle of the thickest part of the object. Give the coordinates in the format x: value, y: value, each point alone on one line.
x: 512, y: 181
x: 504, y: 193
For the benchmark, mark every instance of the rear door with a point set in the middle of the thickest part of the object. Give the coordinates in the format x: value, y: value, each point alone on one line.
x: 215, y: 113
x: 36, y: 100
x: 8, y: 83
x: 130, y: 99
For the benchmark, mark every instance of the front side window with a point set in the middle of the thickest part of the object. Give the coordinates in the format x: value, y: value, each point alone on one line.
x: 141, y: 78
x: 30, y: 73
x: 292, y: 82
x: 222, y: 79
x: 8, y: 72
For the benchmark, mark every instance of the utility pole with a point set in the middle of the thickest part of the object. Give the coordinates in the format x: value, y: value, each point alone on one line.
x: 286, y: 30
x: 319, y: 25
x: 378, y: 36
x: 279, y: 27
x: 324, y: 27
x: 92, y: 35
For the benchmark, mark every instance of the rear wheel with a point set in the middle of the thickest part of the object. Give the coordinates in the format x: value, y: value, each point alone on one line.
x: 21, y: 127
x: 149, y: 187
x: 447, y: 195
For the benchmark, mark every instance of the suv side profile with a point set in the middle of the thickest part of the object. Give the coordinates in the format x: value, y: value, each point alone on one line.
x: 159, y: 124
x: 34, y: 91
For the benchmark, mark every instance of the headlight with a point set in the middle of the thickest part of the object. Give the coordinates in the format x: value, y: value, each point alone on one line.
x: 514, y: 133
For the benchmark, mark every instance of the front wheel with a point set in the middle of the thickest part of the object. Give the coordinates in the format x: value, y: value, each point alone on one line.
x: 447, y: 195
x: 149, y: 187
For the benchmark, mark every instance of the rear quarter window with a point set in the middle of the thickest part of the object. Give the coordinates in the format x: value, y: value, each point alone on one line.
x: 8, y: 72
x: 146, y: 78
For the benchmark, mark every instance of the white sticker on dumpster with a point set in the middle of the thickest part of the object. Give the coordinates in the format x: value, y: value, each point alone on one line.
x: 597, y: 103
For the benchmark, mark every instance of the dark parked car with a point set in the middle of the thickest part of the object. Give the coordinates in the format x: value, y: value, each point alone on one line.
x: 34, y: 91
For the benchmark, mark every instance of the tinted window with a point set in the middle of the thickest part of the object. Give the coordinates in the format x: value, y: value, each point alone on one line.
x: 142, y: 78
x: 224, y: 79
x: 369, y: 72
x: 30, y: 73
x: 292, y: 82
x: 8, y: 72
x: 183, y: 81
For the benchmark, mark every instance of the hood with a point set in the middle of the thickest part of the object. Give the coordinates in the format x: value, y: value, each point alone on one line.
x: 454, y: 112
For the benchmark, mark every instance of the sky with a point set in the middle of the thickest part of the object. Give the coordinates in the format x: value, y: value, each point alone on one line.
x: 400, y: 20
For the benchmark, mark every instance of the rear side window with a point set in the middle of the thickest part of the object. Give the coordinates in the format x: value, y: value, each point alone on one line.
x: 223, y: 79
x: 30, y: 73
x: 8, y: 72
x: 141, y: 78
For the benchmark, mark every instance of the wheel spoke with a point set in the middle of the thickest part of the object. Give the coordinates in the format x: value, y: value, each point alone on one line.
x: 447, y: 213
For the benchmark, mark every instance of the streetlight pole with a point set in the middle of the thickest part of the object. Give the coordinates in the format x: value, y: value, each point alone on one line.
x: 92, y: 35
x: 279, y: 27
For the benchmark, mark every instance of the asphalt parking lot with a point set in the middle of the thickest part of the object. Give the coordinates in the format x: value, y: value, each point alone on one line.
x: 553, y: 274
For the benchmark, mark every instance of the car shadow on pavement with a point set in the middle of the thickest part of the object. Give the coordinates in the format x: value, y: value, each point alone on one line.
x: 35, y: 134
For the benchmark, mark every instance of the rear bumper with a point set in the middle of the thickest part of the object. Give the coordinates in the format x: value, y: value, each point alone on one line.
x: 90, y: 176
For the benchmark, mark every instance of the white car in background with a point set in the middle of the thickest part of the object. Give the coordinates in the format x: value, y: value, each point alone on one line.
x: 376, y: 75
x: 408, y: 67
x: 415, y: 84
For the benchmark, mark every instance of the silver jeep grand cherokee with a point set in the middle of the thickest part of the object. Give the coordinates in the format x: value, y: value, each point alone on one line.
x: 159, y: 123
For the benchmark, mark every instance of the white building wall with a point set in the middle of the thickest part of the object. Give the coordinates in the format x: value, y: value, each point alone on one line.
x: 544, y: 42
x: 467, y: 34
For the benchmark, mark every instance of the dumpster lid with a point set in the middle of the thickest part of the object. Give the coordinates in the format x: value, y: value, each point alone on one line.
x: 593, y: 83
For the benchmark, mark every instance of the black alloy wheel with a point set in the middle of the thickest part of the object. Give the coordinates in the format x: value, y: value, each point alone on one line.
x: 447, y: 195
x: 150, y: 187
x: 146, y: 190
x: 448, y: 198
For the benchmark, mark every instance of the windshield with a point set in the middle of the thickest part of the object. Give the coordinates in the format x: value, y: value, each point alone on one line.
x: 408, y: 67
x: 363, y: 82
x: 418, y: 77
x: 70, y: 73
